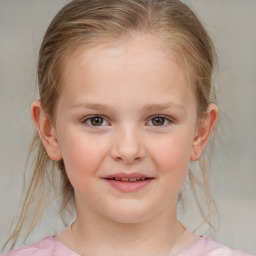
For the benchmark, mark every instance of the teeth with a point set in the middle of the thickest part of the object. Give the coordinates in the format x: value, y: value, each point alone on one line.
x: 128, y: 179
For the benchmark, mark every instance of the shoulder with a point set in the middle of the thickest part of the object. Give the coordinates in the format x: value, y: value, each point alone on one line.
x: 48, y: 246
x: 44, y: 247
x: 207, y: 247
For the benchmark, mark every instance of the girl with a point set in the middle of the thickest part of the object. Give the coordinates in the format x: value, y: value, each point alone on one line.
x: 125, y: 107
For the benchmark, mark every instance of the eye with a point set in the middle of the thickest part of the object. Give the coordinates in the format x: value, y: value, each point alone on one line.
x: 159, y: 121
x: 95, y: 121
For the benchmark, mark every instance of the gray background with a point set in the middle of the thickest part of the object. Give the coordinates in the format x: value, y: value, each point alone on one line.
x: 232, y: 25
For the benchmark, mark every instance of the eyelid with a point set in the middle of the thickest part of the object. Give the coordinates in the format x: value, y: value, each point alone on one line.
x: 86, y: 118
x: 167, y: 118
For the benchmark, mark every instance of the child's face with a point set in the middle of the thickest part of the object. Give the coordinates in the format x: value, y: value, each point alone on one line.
x: 143, y: 124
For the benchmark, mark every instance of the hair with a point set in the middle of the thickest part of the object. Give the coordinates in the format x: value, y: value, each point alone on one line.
x: 84, y: 23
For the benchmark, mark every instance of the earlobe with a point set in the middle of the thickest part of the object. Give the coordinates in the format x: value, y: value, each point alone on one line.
x: 46, y: 131
x: 204, y: 130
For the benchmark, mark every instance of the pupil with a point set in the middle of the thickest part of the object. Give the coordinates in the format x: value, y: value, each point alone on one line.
x: 97, y: 121
x: 158, y: 121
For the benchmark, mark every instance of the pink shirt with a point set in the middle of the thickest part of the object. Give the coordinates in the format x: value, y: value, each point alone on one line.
x: 49, y: 246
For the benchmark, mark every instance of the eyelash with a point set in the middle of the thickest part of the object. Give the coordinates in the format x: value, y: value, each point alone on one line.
x: 90, y: 118
x: 166, y: 119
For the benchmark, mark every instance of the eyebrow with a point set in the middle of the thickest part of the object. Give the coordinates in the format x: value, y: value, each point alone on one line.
x: 169, y: 105
x: 91, y: 106
x: 149, y: 107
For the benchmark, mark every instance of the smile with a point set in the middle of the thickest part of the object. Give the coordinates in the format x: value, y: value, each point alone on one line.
x: 128, y: 182
x: 129, y: 179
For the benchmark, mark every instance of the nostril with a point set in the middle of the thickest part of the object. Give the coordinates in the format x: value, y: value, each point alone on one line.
x: 127, y: 145
x: 127, y: 155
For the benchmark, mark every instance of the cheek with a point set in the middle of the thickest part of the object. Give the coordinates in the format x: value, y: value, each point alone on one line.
x: 171, y: 157
x: 82, y: 157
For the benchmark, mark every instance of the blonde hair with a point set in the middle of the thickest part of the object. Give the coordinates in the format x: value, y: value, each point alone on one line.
x: 90, y: 22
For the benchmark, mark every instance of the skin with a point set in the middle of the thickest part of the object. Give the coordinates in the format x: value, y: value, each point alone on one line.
x: 133, y: 82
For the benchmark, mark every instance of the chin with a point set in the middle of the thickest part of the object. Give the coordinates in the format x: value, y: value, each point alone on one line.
x: 131, y: 214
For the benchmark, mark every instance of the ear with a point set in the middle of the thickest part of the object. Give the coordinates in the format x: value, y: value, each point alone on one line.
x: 46, y: 131
x: 204, y: 130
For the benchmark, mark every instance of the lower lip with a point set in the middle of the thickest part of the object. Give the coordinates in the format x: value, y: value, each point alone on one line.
x: 126, y: 186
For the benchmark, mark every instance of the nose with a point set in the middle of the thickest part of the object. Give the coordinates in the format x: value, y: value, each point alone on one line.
x: 128, y: 146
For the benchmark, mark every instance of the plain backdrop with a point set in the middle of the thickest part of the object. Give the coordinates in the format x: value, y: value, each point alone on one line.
x: 232, y: 25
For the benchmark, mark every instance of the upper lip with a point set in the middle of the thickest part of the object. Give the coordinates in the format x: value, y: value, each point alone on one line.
x: 122, y: 175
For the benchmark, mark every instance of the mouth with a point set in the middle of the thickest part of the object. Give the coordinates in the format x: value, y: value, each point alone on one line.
x: 129, y: 179
x: 128, y: 182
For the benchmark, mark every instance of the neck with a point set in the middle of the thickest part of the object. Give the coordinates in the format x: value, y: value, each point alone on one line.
x: 155, y: 236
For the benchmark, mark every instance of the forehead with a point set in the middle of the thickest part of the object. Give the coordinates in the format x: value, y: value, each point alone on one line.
x: 143, y: 45
x: 136, y: 68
